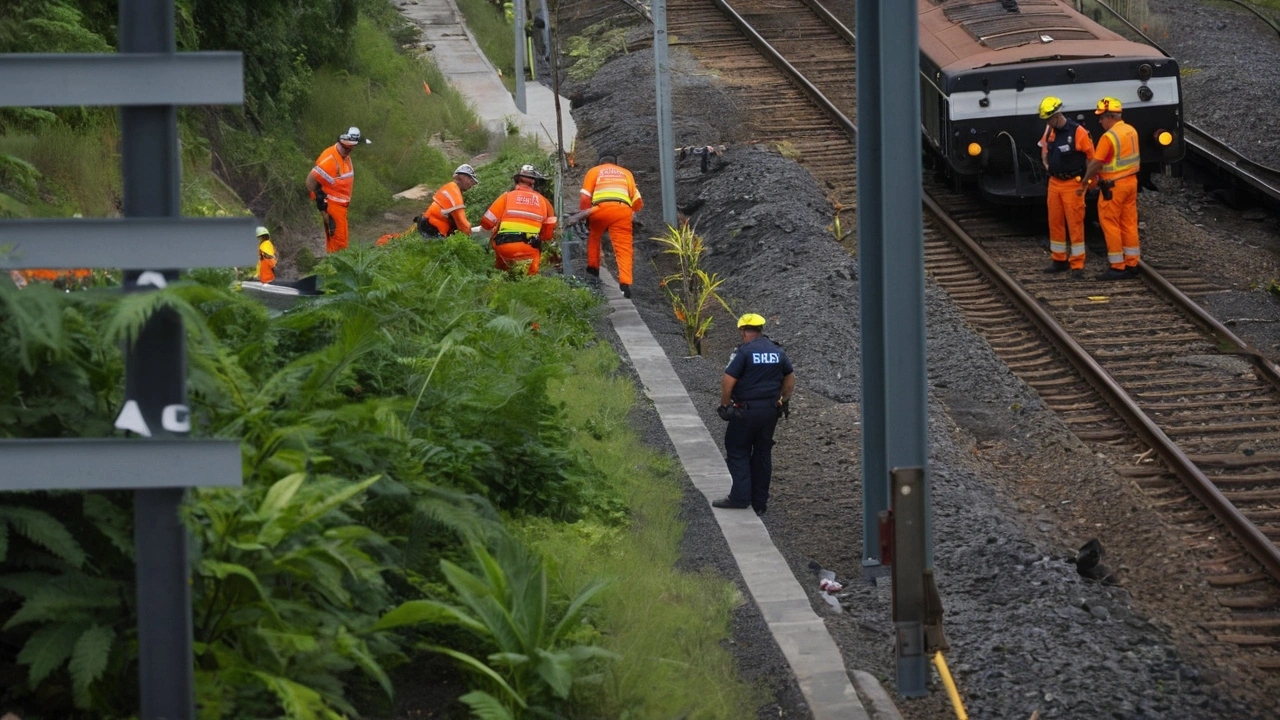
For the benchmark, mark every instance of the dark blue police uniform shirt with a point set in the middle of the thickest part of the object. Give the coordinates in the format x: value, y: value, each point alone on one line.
x: 759, y: 367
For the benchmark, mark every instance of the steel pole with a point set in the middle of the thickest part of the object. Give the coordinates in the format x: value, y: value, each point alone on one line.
x: 155, y: 378
x: 517, y: 11
x: 906, y: 384
x: 666, y: 141
x: 875, y: 467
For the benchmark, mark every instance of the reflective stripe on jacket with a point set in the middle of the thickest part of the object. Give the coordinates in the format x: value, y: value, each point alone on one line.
x: 335, y: 174
x: 522, y: 210
x: 447, y: 212
x: 1125, y: 158
x: 610, y: 182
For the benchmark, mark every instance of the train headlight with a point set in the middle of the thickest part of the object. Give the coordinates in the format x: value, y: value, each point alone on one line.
x: 1145, y: 94
x: 1144, y: 72
x: 974, y: 149
x: 1164, y: 137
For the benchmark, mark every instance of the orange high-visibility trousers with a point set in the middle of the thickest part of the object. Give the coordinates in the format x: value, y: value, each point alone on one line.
x: 1119, y: 219
x: 337, y: 239
x: 508, y: 254
x: 615, y: 219
x: 1066, y: 218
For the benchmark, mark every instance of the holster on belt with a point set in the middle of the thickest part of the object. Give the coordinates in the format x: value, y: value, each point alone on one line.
x: 1104, y: 187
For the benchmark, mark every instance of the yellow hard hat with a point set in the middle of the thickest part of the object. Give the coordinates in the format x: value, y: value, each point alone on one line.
x: 1049, y: 106
x: 267, y: 249
x: 751, y: 320
x: 1107, y: 105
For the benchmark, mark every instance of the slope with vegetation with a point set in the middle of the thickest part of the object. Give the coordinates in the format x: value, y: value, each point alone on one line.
x: 437, y: 457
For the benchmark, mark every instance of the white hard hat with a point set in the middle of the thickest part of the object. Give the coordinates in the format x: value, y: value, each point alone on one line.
x: 465, y: 169
x: 261, y: 231
x: 352, y: 137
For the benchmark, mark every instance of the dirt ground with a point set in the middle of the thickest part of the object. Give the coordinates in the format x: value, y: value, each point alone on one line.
x: 1014, y: 492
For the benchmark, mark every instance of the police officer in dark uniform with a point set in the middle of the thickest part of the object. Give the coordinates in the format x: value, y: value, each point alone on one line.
x: 754, y: 392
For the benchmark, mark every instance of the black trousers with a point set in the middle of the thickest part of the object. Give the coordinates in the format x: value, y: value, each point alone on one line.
x: 748, y: 445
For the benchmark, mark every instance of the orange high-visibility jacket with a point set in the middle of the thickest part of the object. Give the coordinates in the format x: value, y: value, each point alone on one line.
x: 335, y: 174
x: 447, y: 212
x: 266, y: 261
x: 1118, y: 152
x: 610, y: 182
x: 523, y: 210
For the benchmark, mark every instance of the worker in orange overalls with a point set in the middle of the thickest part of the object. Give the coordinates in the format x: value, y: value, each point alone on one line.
x: 266, y: 255
x: 448, y: 213
x: 611, y: 190
x: 1116, y: 162
x: 521, y: 220
x: 330, y: 183
x: 1065, y: 150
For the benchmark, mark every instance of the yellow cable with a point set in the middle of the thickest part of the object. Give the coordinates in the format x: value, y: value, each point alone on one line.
x: 958, y: 706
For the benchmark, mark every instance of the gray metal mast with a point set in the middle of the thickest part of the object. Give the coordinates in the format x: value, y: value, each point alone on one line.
x: 666, y: 141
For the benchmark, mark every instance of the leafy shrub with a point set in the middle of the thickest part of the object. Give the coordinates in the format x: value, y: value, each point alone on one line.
x: 529, y: 665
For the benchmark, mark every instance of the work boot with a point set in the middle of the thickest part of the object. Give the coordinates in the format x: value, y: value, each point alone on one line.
x: 1133, y: 271
x: 1077, y: 274
x: 593, y: 271
x: 626, y: 290
x: 761, y: 511
x: 1114, y: 274
x: 728, y: 504
x: 1058, y: 266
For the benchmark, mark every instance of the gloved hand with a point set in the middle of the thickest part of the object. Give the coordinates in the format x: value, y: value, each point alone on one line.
x: 424, y: 225
x: 725, y: 412
x: 322, y: 201
x: 784, y: 408
x: 333, y: 224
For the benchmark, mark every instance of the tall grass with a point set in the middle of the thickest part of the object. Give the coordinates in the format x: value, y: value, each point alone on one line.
x: 494, y: 34
x: 383, y: 94
x: 1139, y: 12
x: 80, y: 169
x: 669, y: 626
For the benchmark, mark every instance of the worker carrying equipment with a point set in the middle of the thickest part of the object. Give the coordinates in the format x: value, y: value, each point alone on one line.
x: 1065, y: 152
x: 447, y: 213
x: 521, y: 220
x: 611, y: 189
x: 266, y: 255
x: 1116, y: 163
x: 330, y: 183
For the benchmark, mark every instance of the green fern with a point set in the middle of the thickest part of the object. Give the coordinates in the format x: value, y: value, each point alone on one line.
x: 40, y: 528
x: 49, y: 648
x: 89, y: 660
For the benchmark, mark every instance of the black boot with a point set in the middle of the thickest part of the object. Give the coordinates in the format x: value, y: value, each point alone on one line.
x: 593, y: 271
x: 1058, y: 266
x: 626, y: 290
x: 1114, y: 274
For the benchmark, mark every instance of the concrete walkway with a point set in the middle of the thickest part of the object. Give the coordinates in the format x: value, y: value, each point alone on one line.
x: 455, y: 51
x: 799, y: 632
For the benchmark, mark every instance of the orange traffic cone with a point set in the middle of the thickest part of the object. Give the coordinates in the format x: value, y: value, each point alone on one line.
x: 426, y: 87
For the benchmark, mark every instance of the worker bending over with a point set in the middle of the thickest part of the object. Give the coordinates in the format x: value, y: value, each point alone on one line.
x: 448, y: 213
x: 521, y: 220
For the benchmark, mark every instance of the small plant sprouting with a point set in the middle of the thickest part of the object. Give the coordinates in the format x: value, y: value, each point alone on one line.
x: 695, y: 299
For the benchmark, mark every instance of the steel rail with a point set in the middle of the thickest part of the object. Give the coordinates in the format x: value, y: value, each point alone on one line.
x: 1257, y: 544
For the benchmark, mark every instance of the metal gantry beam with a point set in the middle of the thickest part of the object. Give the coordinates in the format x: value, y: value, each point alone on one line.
x: 127, y: 243
x: 118, y: 464
x: 63, y: 80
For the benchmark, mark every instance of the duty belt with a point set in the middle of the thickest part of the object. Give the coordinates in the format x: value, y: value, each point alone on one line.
x: 624, y: 202
x: 510, y: 237
x: 1068, y: 175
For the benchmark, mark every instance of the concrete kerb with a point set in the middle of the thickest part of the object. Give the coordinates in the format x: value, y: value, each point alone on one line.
x: 801, y: 635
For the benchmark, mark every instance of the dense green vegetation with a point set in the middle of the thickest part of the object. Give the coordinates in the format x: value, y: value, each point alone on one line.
x: 437, y: 458
x: 312, y: 68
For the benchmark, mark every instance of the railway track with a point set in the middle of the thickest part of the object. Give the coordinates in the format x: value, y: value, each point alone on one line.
x: 1184, y: 408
